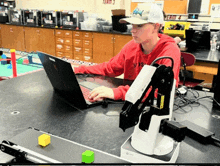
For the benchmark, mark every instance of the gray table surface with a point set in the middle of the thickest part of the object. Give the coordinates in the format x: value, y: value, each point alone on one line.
x: 33, y: 97
x: 207, y: 55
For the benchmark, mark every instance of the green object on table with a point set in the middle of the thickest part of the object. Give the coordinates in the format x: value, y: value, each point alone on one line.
x: 88, y: 156
x: 20, y: 61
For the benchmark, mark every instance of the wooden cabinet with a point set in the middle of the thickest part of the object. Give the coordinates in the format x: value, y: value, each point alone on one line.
x: 79, y: 45
x: 82, y: 46
x: 120, y: 41
x: 32, y: 39
x: 102, y: 47
x: 39, y: 39
x: 47, y: 37
x: 105, y: 46
x: 64, y: 43
x: 13, y: 37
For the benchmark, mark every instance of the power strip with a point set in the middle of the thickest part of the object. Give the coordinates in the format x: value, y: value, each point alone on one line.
x: 182, y: 90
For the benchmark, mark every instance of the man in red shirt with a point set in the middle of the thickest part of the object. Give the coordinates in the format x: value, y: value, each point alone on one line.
x: 146, y: 46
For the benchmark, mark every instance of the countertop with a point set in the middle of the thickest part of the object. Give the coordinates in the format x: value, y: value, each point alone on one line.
x: 30, y: 101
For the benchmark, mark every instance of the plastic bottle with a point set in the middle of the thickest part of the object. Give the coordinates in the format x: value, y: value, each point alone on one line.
x: 214, y: 42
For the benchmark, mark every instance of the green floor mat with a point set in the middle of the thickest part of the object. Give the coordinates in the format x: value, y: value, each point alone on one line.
x: 20, y: 69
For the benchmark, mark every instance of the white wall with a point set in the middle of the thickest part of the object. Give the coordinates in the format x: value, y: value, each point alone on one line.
x: 90, y: 6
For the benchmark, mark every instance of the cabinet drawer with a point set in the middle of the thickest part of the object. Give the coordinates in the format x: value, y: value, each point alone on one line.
x: 68, y: 34
x: 77, y: 50
x: 77, y: 42
x: 78, y: 57
x: 87, y: 59
x: 87, y: 43
x: 59, y: 33
x: 87, y: 35
x: 77, y: 35
x: 59, y: 48
x: 68, y: 48
x: 68, y: 55
x: 87, y: 51
x: 68, y: 41
x: 59, y: 40
x: 60, y: 54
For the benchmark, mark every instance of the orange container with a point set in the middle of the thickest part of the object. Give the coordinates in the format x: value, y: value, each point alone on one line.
x: 118, y: 12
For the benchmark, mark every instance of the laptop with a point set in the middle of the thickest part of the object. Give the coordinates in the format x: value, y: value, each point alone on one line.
x: 65, y: 83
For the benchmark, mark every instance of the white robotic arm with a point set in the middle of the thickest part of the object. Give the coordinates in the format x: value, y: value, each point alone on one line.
x: 154, y: 134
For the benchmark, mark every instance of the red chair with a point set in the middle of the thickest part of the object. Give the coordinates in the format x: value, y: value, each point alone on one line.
x: 188, y: 59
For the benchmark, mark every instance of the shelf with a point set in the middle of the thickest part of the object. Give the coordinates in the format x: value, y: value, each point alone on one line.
x: 176, y: 14
x: 193, y: 20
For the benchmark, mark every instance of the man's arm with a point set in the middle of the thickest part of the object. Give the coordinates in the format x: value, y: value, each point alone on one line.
x: 113, y: 68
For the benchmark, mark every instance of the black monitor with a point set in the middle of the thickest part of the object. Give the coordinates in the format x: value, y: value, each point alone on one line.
x: 194, y: 6
x: 197, y: 40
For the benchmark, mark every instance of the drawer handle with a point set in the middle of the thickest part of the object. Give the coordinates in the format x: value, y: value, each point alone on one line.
x: 76, y: 42
x: 86, y: 35
x: 67, y: 33
x: 87, y: 52
x: 87, y: 57
x: 61, y: 40
x: 76, y: 34
x: 58, y: 33
x: 59, y: 46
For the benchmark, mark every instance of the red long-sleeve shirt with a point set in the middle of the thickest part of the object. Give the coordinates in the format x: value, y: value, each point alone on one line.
x: 131, y: 59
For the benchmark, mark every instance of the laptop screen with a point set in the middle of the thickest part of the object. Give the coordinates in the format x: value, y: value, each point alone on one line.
x: 63, y: 79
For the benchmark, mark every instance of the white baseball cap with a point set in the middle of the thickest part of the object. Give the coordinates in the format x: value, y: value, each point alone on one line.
x: 145, y: 13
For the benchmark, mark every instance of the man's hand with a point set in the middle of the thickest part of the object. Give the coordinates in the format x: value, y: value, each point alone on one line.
x: 177, y: 39
x: 101, y: 93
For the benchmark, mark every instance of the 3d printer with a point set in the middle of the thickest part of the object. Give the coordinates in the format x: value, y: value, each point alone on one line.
x: 15, y: 17
x: 30, y: 17
x: 68, y: 19
x: 71, y: 19
x: 49, y: 19
x: 3, y: 15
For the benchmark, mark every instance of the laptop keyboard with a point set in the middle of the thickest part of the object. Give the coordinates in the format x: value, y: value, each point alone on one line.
x: 86, y: 92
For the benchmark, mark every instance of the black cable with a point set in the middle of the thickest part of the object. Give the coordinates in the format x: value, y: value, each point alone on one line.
x: 164, y: 57
x: 183, y: 101
x: 190, y: 90
x: 189, y: 102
